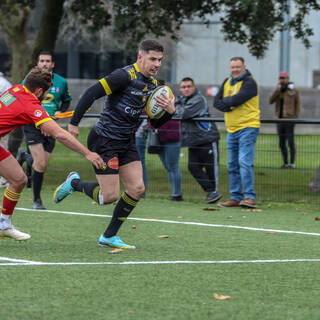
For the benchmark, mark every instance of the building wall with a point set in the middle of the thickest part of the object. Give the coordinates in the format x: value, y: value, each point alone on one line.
x: 204, y: 55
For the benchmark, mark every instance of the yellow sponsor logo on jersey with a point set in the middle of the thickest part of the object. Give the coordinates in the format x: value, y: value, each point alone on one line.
x: 132, y: 74
x: 48, y: 98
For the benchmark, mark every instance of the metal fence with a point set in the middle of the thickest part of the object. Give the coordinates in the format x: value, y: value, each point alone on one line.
x: 272, y: 181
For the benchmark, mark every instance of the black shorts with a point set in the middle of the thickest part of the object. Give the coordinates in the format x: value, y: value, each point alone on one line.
x: 115, y: 153
x: 34, y: 136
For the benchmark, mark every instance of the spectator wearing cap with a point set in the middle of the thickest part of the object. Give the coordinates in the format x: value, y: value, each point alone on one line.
x: 287, y: 105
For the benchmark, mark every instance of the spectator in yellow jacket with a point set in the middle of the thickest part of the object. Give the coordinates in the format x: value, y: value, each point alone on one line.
x: 238, y: 97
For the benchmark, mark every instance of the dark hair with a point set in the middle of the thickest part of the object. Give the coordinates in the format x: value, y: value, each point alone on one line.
x: 187, y: 79
x: 237, y: 58
x: 38, y: 78
x: 46, y: 53
x: 147, y: 45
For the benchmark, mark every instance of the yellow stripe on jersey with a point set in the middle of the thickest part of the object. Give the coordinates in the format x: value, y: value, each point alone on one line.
x: 27, y: 90
x: 136, y: 67
x: 37, y: 124
x: 105, y: 85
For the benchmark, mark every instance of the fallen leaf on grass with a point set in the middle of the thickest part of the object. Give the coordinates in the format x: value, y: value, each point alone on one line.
x: 179, y: 217
x: 220, y: 296
x: 115, y: 251
x: 270, y: 232
x: 229, y: 217
x: 93, y: 202
x: 304, y: 213
x: 317, y: 218
x: 134, y: 227
x: 251, y: 210
x: 210, y: 209
x: 163, y: 236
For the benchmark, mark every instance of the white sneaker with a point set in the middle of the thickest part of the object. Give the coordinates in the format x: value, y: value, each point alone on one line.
x: 14, y: 233
x: 3, y: 182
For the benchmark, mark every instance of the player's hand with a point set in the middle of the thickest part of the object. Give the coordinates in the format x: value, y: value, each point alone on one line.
x: 74, y: 130
x: 95, y: 159
x: 44, y: 133
x: 167, y: 104
x: 54, y: 116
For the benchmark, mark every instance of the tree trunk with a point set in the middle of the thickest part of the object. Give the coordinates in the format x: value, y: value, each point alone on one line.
x: 18, y: 69
x: 46, y: 39
x: 314, y: 185
x: 15, y: 27
x: 48, y: 30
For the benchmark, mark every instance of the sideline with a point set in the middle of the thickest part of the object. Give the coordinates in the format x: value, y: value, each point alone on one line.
x: 177, y: 222
x: 37, y: 263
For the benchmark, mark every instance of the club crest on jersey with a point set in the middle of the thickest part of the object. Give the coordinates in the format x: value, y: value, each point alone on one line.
x: 38, y: 113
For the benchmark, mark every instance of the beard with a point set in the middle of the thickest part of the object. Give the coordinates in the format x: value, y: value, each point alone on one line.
x: 42, y: 96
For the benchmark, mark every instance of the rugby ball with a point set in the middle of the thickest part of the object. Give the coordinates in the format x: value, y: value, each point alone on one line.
x: 153, y: 110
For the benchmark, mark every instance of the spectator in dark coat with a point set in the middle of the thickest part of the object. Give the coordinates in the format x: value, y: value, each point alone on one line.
x: 201, y: 137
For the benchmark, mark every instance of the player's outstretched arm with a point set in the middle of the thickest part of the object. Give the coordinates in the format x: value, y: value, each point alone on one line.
x: 74, y: 130
x: 51, y: 128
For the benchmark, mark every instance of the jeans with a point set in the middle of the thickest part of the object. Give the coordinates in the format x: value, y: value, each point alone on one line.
x: 241, y: 147
x: 141, y: 148
x: 170, y: 156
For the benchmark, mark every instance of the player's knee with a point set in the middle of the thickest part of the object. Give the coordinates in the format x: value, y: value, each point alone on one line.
x: 40, y: 166
x: 108, y: 199
x: 23, y: 180
x: 138, y: 191
x: 19, y: 181
x: 141, y: 190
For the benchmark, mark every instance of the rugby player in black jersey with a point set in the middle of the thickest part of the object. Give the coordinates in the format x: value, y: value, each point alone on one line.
x: 113, y: 137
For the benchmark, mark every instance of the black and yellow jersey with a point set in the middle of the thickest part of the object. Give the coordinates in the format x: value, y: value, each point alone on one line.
x: 127, y: 91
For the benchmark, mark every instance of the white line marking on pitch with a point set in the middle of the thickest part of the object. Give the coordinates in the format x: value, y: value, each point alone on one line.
x: 31, y: 263
x: 21, y: 261
x: 178, y: 222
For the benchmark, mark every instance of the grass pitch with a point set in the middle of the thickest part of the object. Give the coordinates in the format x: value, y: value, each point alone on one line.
x: 61, y: 273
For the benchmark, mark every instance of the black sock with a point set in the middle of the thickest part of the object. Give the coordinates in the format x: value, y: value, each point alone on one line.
x: 91, y: 189
x: 120, y: 213
x: 37, y: 179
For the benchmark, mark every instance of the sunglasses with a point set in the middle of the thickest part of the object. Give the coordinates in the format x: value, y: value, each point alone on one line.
x: 283, y: 78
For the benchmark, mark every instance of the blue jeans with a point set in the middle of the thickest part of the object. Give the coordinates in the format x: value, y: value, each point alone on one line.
x: 141, y: 148
x: 170, y: 156
x: 241, y: 147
